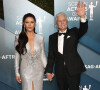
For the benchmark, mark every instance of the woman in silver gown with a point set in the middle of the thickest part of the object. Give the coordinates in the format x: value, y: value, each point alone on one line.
x: 30, y: 46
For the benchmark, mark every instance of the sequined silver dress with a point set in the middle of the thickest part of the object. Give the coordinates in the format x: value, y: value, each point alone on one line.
x: 32, y: 67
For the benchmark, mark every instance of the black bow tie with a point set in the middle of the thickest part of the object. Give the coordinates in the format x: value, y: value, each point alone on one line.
x: 61, y: 34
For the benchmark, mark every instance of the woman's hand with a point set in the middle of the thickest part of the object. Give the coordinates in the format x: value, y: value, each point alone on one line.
x: 18, y: 78
x: 50, y: 76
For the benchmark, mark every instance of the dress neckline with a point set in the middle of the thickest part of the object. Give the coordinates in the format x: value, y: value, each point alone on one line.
x: 33, y: 46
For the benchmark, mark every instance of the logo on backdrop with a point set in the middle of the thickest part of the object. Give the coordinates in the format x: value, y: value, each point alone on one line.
x: 4, y: 57
x: 72, y: 6
x: 18, y: 24
x: 85, y: 87
x: 40, y: 21
x: 17, y: 32
x: 91, y: 7
x: 97, y: 66
x: 19, y: 20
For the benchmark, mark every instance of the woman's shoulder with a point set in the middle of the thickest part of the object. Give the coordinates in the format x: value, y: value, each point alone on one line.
x: 39, y: 36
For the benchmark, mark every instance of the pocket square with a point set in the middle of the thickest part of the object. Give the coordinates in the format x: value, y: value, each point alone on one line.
x: 68, y: 36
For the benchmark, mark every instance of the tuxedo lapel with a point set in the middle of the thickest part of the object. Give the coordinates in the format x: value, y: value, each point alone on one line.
x: 65, y: 39
x: 66, y: 34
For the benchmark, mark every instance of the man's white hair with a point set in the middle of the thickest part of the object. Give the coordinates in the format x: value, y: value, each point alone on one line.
x: 61, y: 13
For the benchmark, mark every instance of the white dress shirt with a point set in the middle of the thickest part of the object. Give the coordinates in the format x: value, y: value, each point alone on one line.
x: 61, y: 42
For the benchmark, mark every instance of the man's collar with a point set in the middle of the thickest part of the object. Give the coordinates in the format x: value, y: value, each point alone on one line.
x: 63, y: 32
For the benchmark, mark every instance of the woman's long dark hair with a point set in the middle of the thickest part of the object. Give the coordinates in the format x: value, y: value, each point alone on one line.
x: 23, y: 39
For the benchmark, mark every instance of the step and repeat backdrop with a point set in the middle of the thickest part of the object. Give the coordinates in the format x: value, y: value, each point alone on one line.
x: 88, y: 48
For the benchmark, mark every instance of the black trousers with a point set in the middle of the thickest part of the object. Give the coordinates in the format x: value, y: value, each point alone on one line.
x: 68, y: 82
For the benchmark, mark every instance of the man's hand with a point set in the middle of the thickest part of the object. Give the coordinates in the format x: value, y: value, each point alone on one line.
x: 50, y: 76
x: 81, y: 9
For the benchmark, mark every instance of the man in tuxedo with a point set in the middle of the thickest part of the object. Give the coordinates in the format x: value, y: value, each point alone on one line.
x: 63, y: 51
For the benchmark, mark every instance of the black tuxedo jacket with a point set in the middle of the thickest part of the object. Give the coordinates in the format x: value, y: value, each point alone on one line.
x: 74, y: 64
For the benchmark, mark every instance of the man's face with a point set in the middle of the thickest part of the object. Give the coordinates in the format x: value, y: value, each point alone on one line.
x: 61, y: 23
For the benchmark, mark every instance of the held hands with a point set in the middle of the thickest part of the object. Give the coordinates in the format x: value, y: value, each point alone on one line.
x: 18, y: 79
x: 81, y: 9
x: 50, y: 76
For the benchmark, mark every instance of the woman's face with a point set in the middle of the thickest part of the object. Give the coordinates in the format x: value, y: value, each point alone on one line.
x: 29, y: 24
